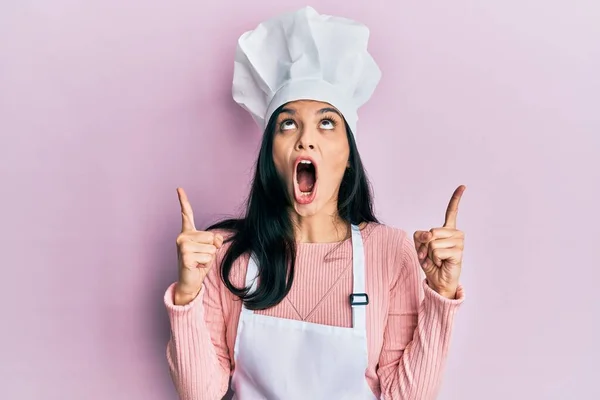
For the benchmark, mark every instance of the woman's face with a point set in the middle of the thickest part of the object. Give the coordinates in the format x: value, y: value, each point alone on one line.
x: 311, y: 152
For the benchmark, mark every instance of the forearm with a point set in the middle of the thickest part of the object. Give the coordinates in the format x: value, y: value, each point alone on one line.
x: 415, y: 373
x: 195, y: 368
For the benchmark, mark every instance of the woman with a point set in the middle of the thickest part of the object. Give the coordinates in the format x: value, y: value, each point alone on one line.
x: 308, y: 296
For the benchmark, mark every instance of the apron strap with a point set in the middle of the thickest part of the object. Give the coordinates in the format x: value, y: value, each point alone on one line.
x: 358, y: 298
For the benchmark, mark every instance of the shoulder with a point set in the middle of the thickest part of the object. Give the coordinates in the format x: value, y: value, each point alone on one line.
x: 376, y: 234
x: 390, y: 247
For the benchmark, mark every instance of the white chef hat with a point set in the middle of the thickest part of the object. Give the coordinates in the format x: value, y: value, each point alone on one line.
x: 303, y: 55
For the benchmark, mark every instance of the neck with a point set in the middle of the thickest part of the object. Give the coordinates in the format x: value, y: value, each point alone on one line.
x: 321, y: 228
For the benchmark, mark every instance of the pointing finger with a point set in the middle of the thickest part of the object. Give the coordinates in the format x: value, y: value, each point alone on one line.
x: 187, y: 215
x: 452, y: 210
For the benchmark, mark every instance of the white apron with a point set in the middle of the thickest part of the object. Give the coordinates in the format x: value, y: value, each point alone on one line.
x: 283, y: 359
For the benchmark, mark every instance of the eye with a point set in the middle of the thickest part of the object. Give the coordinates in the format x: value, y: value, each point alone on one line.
x: 327, y: 123
x: 287, y: 125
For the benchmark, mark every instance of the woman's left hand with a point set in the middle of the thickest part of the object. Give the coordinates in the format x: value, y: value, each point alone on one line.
x: 440, y: 251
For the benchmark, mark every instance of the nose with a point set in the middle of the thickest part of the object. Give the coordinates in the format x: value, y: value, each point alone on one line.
x: 305, y: 140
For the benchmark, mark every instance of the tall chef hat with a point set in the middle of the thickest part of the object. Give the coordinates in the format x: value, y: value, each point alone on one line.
x: 304, y: 55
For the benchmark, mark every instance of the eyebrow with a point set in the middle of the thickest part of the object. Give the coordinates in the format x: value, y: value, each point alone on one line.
x: 321, y: 111
x: 288, y: 111
x: 330, y: 109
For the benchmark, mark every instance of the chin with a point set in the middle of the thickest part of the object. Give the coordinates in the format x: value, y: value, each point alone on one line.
x: 306, y: 210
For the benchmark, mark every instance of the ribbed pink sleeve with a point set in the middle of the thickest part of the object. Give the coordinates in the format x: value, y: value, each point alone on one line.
x: 417, y: 333
x: 197, y: 352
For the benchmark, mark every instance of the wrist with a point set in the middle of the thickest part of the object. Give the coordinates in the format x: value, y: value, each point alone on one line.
x: 448, y: 295
x: 183, y: 296
x: 447, y: 292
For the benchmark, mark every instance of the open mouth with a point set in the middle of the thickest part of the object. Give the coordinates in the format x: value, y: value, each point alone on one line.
x: 305, y: 182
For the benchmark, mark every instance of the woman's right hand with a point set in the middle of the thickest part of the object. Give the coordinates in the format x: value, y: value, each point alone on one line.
x: 196, y: 251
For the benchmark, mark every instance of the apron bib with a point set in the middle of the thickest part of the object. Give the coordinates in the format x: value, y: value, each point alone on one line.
x: 283, y: 359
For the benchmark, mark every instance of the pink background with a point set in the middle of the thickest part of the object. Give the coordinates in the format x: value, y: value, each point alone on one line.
x: 107, y: 106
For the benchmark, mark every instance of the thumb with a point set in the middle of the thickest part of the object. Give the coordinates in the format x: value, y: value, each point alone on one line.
x: 218, y: 241
x: 421, y: 237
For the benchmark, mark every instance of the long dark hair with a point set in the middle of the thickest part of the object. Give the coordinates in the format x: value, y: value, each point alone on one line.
x: 266, y: 231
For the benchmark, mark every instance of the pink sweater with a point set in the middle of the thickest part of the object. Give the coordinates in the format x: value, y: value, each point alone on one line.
x: 408, y: 324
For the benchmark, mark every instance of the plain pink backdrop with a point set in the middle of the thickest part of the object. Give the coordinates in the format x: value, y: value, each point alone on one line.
x: 107, y: 106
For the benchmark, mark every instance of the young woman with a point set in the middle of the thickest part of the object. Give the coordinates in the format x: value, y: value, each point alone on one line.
x: 308, y: 296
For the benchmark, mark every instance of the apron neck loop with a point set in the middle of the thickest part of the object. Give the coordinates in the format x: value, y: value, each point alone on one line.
x: 358, y: 299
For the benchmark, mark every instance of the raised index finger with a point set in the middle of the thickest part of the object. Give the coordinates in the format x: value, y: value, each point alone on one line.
x: 452, y: 210
x: 187, y: 215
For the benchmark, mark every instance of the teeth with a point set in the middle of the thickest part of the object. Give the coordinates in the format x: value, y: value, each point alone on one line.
x: 305, y: 162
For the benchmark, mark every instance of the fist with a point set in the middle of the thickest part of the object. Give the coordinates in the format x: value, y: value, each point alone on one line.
x: 196, y: 251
